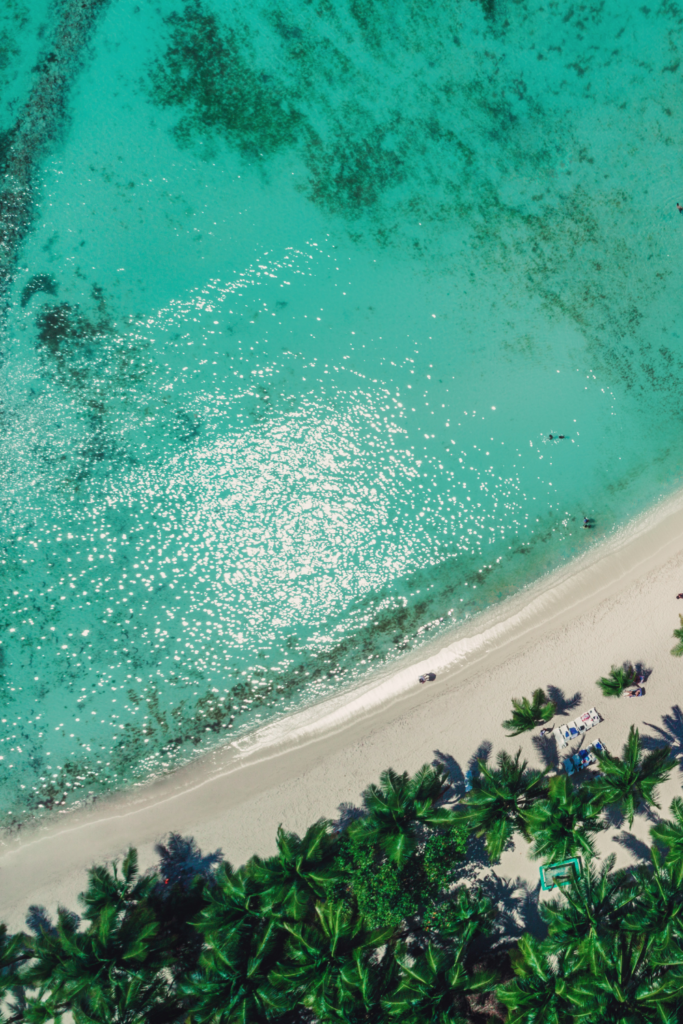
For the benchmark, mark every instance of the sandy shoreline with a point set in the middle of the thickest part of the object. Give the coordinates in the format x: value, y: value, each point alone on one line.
x: 616, y: 602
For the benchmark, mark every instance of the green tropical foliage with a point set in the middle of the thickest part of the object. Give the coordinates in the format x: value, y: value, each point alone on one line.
x: 539, y: 993
x: 527, y: 714
x: 618, y: 680
x: 297, y: 875
x: 399, y: 808
x: 670, y: 834
x: 434, y: 985
x: 378, y: 921
x: 500, y: 798
x: 564, y: 823
x: 110, y: 972
x: 324, y: 955
x: 677, y: 650
x: 632, y: 779
x: 588, y: 913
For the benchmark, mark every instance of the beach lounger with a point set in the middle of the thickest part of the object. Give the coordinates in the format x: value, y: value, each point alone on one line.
x: 573, y: 731
x: 559, y: 738
x: 595, y: 716
x: 578, y: 762
x: 586, y: 758
x: 566, y: 735
x: 587, y: 720
x: 579, y: 726
x: 600, y: 747
x: 568, y: 765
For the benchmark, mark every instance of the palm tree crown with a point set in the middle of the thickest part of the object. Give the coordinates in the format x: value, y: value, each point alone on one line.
x: 563, y: 824
x: 618, y: 680
x: 632, y: 779
x: 527, y: 714
x: 495, y: 807
x: 670, y: 834
x: 299, y: 872
x: 677, y: 651
x: 400, y: 807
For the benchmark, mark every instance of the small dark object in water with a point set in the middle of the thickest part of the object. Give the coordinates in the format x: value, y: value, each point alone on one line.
x: 428, y: 677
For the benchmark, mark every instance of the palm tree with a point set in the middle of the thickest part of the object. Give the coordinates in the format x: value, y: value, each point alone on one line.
x: 631, y: 780
x: 462, y: 915
x: 290, y: 881
x: 232, y: 903
x: 670, y: 834
x: 399, y: 808
x: 364, y: 983
x: 658, y: 912
x: 495, y: 807
x: 113, y: 972
x: 564, y: 823
x: 540, y: 992
x: 186, y: 876
x: 15, y: 950
x: 231, y: 984
x: 324, y: 959
x: 527, y: 714
x: 632, y: 985
x: 434, y: 986
x: 677, y: 651
x: 585, y: 917
x: 618, y: 680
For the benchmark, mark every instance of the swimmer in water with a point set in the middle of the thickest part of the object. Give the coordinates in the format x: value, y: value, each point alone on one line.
x: 679, y: 207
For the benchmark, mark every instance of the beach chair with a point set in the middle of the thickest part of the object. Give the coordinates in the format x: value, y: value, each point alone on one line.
x: 560, y: 873
x: 587, y: 720
x: 568, y: 765
x: 565, y: 733
x: 573, y: 731
x: 578, y: 762
x: 599, y: 746
x: 579, y: 726
x: 586, y: 758
x: 595, y: 716
x: 559, y: 738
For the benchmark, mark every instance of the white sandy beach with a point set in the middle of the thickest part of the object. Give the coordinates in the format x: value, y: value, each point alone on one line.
x: 617, y: 603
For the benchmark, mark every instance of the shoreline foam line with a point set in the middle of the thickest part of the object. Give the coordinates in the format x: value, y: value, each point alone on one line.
x: 501, y: 630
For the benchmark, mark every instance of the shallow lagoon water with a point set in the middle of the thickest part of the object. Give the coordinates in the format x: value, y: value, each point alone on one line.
x: 286, y: 344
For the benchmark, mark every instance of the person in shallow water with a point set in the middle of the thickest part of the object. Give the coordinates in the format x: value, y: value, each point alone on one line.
x: 560, y: 437
x: 588, y: 523
x: 679, y: 207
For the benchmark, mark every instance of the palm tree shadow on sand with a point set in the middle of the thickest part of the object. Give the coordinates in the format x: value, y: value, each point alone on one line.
x: 563, y: 705
x: 669, y: 733
x: 639, y: 850
x: 517, y: 902
x: 546, y: 748
x: 454, y: 772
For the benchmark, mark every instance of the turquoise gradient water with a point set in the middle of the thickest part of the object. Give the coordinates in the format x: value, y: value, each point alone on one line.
x: 307, y: 289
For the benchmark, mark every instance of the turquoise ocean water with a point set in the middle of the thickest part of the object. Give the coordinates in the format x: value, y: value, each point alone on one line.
x: 305, y: 290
